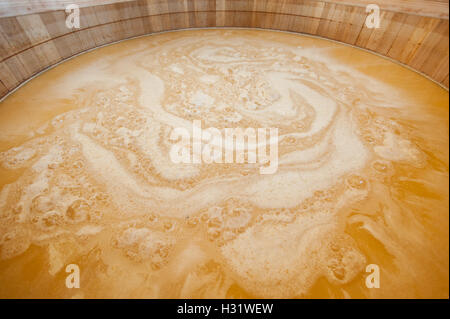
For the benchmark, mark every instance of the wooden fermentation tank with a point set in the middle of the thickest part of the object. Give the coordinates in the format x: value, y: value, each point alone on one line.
x: 33, y: 34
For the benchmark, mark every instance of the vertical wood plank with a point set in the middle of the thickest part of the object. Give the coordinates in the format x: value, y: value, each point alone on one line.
x: 3, y: 89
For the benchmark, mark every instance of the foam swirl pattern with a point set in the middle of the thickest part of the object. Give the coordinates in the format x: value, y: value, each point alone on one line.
x: 86, y: 176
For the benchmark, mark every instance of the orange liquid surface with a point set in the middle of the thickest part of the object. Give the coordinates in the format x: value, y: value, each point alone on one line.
x: 86, y: 178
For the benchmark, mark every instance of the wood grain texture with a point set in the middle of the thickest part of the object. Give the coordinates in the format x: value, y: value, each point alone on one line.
x: 31, y: 43
x: 13, y: 8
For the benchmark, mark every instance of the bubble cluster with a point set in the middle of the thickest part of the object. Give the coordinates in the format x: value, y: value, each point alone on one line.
x: 142, y: 244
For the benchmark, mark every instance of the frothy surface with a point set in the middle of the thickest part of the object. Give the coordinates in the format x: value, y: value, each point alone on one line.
x: 363, y: 173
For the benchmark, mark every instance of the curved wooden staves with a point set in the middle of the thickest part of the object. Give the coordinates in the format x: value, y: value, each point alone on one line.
x: 34, y: 36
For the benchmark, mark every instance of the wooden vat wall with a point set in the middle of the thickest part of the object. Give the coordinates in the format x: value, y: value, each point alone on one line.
x: 31, y: 42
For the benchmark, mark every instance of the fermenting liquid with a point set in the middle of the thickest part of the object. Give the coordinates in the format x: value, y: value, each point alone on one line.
x: 86, y: 177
